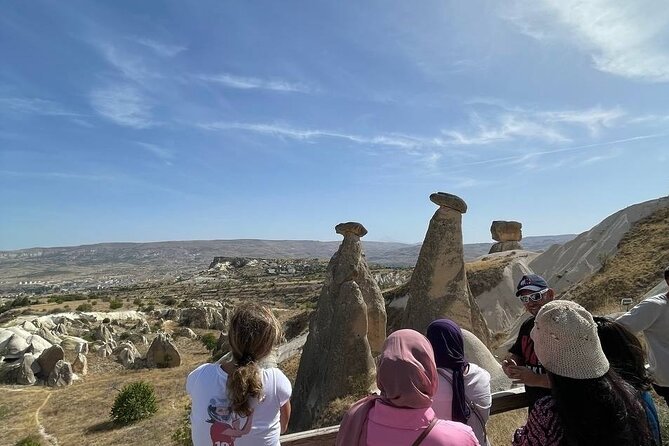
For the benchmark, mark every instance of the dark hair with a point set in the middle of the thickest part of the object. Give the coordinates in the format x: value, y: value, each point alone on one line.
x: 600, y: 411
x: 624, y: 352
x: 666, y: 273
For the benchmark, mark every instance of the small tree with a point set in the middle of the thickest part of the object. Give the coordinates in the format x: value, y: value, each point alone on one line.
x: 182, y: 436
x: 209, y: 341
x: 29, y: 441
x: 135, y: 402
x: 85, y: 307
x: 115, y: 304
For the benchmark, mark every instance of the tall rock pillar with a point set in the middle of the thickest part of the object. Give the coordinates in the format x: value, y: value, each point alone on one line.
x: 438, y: 286
x: 347, y: 328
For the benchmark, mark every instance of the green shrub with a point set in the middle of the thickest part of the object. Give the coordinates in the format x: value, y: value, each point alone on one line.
x: 135, y: 402
x: 137, y: 302
x: 29, y: 441
x: 168, y: 301
x: 182, y: 436
x: 209, y: 341
x: 115, y: 304
x: 4, y: 411
x: 148, y: 308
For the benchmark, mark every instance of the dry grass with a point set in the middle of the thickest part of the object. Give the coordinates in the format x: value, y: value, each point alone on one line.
x: 79, y: 414
x: 289, y: 368
x: 642, y: 255
x: 502, y: 426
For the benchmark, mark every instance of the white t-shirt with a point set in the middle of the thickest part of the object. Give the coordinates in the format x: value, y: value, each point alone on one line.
x: 213, y: 424
x: 651, y: 316
x: 477, y: 391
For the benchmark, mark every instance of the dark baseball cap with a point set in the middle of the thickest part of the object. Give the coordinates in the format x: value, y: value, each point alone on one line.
x: 532, y: 282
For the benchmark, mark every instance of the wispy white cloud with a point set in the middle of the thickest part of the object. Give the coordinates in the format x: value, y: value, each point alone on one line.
x: 553, y: 127
x: 517, y: 123
x: 164, y: 154
x: 529, y: 157
x: 625, y: 38
x: 34, y: 106
x: 57, y: 175
x: 505, y: 128
x: 401, y: 141
x: 162, y: 49
x: 614, y: 153
x: 123, y: 105
x: 251, y: 83
x: 131, y: 66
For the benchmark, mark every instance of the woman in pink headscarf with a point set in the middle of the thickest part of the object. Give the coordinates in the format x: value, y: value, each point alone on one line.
x: 407, y: 378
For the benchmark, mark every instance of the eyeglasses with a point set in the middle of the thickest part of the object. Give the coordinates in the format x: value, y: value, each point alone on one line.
x: 534, y: 297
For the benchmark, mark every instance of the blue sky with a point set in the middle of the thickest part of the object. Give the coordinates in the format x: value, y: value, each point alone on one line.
x: 142, y: 121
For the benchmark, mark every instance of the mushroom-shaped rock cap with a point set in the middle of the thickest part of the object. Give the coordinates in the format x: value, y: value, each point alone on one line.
x: 450, y: 201
x: 351, y: 227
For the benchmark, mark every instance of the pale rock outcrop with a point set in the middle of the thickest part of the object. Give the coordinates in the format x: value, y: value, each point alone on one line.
x: 208, y: 315
x: 72, y: 343
x: 506, y: 231
x: 49, y: 335
x: 337, y: 357
x: 185, y: 332
x: 103, y: 333
x: 438, y: 286
x: 565, y: 265
x: 80, y: 364
x: 81, y: 348
x: 162, y: 353
x: 493, y: 285
x: 105, y: 350
x: 49, y: 358
x: 127, y: 354
x: 353, y: 266
x: 27, y: 370
x: 15, y: 347
x: 477, y: 353
x: 507, y: 234
x: 61, y: 375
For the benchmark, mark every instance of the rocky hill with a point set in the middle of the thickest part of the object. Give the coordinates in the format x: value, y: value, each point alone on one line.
x: 119, y: 264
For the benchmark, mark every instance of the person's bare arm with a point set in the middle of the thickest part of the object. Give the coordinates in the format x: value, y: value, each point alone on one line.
x: 523, y: 375
x: 284, y: 416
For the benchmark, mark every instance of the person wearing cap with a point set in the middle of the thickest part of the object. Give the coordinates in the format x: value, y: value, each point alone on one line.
x: 521, y: 364
x: 590, y: 404
x: 651, y: 316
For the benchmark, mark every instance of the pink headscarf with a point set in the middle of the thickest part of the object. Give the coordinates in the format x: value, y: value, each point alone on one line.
x: 407, y: 377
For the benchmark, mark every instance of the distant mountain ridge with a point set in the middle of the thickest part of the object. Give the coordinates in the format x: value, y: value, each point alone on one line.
x: 171, y: 258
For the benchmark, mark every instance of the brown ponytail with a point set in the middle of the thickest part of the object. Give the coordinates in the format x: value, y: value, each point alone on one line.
x: 253, y: 333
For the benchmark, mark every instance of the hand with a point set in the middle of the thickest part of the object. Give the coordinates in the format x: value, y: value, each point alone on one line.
x: 523, y: 375
x: 506, y: 364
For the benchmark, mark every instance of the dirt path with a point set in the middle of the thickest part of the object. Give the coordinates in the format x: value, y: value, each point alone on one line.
x: 49, y: 439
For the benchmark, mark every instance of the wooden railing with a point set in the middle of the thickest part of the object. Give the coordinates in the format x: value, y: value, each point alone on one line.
x: 501, y: 402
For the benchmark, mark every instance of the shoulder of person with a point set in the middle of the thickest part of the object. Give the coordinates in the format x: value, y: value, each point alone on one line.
x: 454, y: 429
x: 528, y: 323
x: 475, y: 369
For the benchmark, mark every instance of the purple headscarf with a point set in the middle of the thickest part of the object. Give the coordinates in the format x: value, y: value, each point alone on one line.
x: 449, y: 353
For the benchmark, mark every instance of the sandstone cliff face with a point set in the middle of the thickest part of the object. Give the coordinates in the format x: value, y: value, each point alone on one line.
x: 348, y: 325
x: 438, y: 286
x: 507, y: 234
x: 565, y: 265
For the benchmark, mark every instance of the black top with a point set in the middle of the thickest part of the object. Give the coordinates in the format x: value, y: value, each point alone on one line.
x: 524, y: 347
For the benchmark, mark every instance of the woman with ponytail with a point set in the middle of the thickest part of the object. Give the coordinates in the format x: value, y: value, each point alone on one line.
x: 464, y: 388
x: 236, y: 402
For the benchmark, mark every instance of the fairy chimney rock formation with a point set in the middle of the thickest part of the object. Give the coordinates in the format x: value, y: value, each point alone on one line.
x: 438, y: 286
x: 347, y: 329
x: 507, y: 234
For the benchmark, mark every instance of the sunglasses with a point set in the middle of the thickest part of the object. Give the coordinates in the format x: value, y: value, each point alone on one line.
x: 534, y: 297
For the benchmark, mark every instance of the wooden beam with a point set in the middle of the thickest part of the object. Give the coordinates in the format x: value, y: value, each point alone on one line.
x: 504, y: 401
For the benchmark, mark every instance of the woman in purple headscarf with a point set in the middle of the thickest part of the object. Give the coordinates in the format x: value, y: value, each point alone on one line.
x: 464, y: 388
x: 407, y: 378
